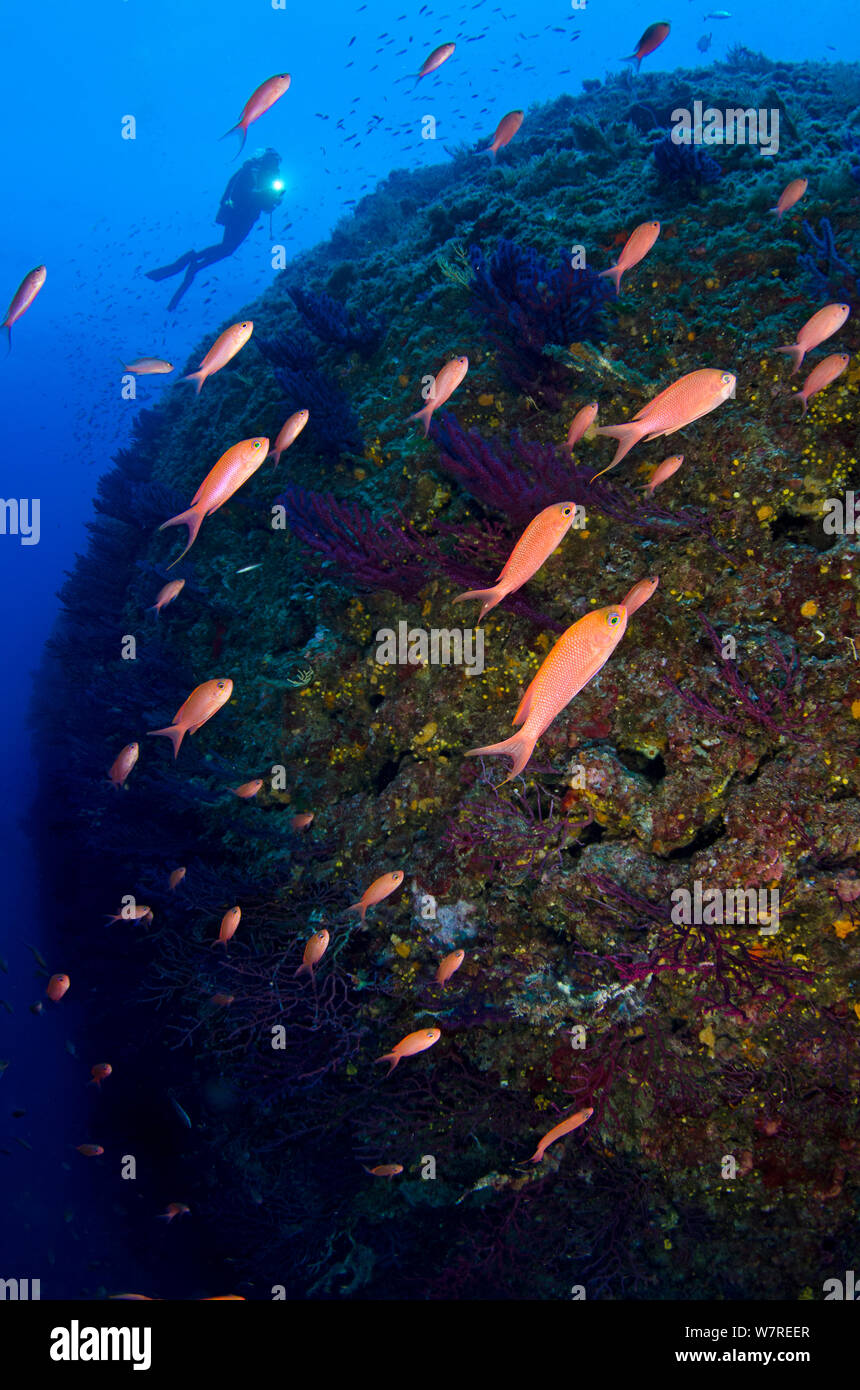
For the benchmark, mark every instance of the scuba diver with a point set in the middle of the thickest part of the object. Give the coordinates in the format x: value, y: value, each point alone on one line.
x: 253, y: 189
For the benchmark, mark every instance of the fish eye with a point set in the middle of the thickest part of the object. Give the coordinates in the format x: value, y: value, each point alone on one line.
x: 429, y: 1032
x: 565, y: 511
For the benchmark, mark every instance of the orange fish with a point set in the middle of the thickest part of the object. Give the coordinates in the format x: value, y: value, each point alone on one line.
x: 580, y: 423
x: 654, y: 35
x: 821, y: 326
x: 822, y: 374
x: 639, y: 594
x: 222, y: 1001
x: 444, y: 385
x: 289, y: 431
x: 379, y: 889
x: 223, y: 1298
x: 23, y: 298
x: 90, y: 1150
x: 408, y: 1046
x: 148, y: 366
x: 136, y: 914
x: 386, y: 1170
x: 174, y: 1209
x: 202, y: 703
x: 315, y: 949
x: 505, y: 132
x: 222, y: 351
x: 448, y: 966
x: 636, y: 248
x: 533, y: 548
x: 57, y: 986
x: 233, y: 469
x: 566, y: 1127
x: 176, y: 877
x: 791, y: 194
x: 302, y: 820
x: 663, y: 471
x: 229, y: 923
x: 258, y: 104
x: 134, y: 1297
x: 248, y: 789
x: 167, y: 595
x: 439, y: 56
x: 100, y: 1072
x: 686, y: 400
x: 122, y: 764
x: 575, y: 659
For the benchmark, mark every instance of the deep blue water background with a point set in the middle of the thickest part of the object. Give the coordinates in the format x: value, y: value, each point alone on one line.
x: 98, y: 210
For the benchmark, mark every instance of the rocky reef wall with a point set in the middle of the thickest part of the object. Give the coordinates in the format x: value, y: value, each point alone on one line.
x: 718, y: 746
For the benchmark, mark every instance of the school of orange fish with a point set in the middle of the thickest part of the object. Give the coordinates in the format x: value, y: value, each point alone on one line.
x: 577, y: 656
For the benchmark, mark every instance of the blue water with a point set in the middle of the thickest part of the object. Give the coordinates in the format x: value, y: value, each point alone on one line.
x: 98, y: 210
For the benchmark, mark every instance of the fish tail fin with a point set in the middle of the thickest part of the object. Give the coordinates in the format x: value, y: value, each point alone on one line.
x: 614, y: 273
x: 424, y: 416
x: 193, y: 519
x: 175, y: 732
x: 803, y: 403
x: 488, y: 598
x: 518, y: 748
x: 231, y: 131
x: 627, y: 435
x: 359, y: 908
x: 199, y: 376
x: 389, y: 1057
x: 301, y: 970
x: 275, y: 456
x: 796, y: 353
x: 490, y: 151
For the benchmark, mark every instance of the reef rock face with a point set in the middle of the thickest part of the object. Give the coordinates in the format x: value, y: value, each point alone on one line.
x: 713, y: 761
